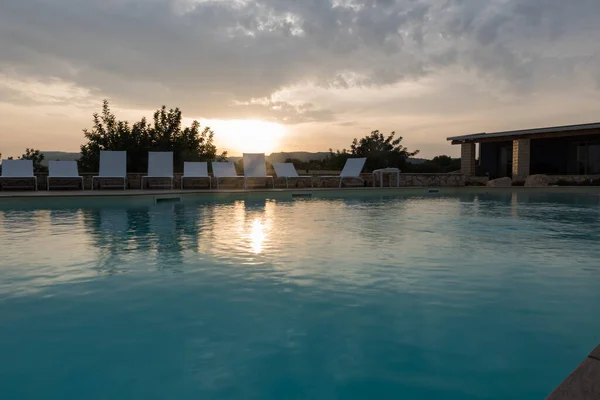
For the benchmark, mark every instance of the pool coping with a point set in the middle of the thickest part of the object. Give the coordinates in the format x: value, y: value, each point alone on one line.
x: 387, y: 190
x: 583, y: 383
x: 73, y: 198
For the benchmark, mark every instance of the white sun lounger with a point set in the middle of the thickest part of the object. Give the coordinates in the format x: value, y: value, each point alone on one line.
x: 160, y: 165
x: 195, y: 170
x: 224, y: 170
x: 63, y: 170
x: 113, y: 165
x: 352, y: 169
x: 12, y: 169
x: 287, y: 170
x: 255, y: 166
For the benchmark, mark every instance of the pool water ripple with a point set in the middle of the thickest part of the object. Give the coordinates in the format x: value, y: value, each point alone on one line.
x: 393, y: 297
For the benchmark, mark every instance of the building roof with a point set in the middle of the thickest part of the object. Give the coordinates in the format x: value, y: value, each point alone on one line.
x: 524, y: 132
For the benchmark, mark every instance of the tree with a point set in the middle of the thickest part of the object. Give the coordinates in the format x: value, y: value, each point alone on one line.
x: 335, y: 161
x: 37, y: 157
x: 447, y: 163
x: 439, y: 164
x: 380, y: 151
x: 165, y: 133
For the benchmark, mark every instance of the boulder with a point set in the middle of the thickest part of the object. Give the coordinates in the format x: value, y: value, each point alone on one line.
x: 500, y: 182
x: 537, y: 180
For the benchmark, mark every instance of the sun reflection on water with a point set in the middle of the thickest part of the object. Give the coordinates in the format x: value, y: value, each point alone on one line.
x: 257, y: 236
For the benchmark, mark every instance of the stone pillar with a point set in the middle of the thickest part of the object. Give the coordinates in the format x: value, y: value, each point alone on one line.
x: 521, y: 159
x: 467, y: 159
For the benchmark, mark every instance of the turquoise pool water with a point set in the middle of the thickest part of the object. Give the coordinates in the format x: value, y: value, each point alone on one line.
x: 470, y: 297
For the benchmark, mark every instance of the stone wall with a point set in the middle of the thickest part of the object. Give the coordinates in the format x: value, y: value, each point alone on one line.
x: 573, y: 179
x: 134, y: 181
x: 467, y: 159
x: 476, y: 180
x: 431, y: 180
x: 521, y: 159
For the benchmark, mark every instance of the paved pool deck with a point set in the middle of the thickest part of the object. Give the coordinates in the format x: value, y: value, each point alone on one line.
x: 583, y: 383
x: 105, y: 198
x: 347, y: 190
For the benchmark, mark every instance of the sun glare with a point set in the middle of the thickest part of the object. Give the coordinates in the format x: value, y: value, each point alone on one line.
x: 257, y: 236
x: 247, y: 136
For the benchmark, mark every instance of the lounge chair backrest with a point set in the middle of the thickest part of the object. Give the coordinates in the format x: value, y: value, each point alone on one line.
x: 224, y: 169
x: 353, y: 167
x: 65, y: 169
x: 17, y: 168
x: 195, y: 169
x: 255, y: 165
x: 113, y: 164
x: 160, y: 164
x: 285, y: 170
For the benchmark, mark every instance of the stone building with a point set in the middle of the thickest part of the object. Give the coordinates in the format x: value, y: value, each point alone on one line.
x: 559, y: 150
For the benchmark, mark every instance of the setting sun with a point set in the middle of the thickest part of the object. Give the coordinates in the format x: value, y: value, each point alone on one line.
x: 247, y: 136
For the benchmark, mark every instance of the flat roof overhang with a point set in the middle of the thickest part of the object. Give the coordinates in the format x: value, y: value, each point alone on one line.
x: 537, y: 133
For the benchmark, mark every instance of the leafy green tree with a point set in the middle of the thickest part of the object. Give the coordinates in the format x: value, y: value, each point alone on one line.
x: 334, y: 161
x: 299, y: 164
x: 165, y: 133
x: 37, y: 157
x: 439, y: 164
x: 446, y: 163
x: 381, y: 152
x: 239, y: 166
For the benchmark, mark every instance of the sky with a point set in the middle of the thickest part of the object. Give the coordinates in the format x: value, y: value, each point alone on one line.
x: 290, y: 75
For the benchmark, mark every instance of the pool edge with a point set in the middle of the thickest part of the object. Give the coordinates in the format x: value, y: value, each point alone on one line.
x: 583, y: 383
x: 53, y: 198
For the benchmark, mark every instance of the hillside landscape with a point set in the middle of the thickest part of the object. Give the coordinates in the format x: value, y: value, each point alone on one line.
x: 272, y: 158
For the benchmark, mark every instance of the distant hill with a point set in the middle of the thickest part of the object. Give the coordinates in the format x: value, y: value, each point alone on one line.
x: 272, y: 158
x: 416, y: 160
x: 282, y: 156
x: 306, y: 156
x: 299, y: 155
x: 59, y: 156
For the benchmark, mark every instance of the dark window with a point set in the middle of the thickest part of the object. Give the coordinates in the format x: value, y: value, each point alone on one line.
x: 505, y: 161
x: 587, y: 158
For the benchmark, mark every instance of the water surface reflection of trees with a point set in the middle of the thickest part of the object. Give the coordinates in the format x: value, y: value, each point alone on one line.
x: 151, y: 237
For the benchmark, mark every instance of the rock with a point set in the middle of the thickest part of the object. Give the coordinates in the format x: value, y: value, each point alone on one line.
x: 500, y: 182
x: 537, y: 180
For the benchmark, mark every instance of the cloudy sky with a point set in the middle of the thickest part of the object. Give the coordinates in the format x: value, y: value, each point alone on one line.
x: 271, y: 75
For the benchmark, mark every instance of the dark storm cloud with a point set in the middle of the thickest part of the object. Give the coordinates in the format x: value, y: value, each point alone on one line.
x: 212, y: 58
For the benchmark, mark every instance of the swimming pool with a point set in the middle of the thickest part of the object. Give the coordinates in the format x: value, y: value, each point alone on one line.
x: 471, y: 296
